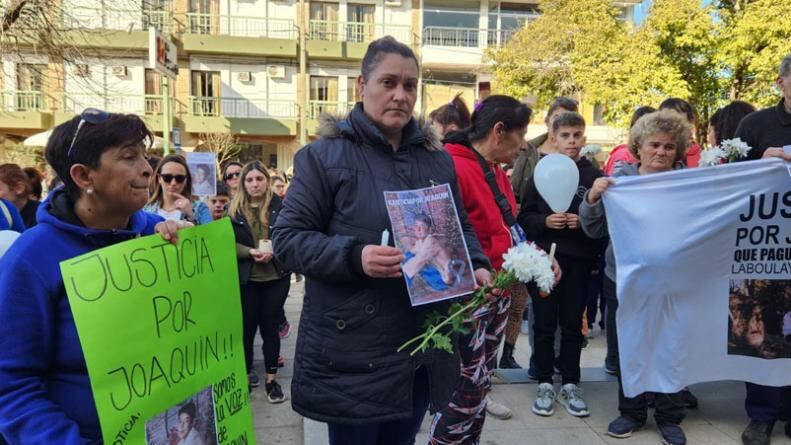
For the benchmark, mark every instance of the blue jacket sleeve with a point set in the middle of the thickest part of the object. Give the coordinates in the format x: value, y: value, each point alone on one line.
x: 27, y: 319
x: 202, y: 212
x: 299, y: 237
x: 17, y: 225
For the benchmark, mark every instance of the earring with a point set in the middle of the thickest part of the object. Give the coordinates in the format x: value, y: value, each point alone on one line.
x: 89, y: 190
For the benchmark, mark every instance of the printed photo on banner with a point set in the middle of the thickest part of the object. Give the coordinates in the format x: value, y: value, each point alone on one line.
x: 203, y: 170
x: 191, y: 422
x: 427, y: 228
x: 759, y: 323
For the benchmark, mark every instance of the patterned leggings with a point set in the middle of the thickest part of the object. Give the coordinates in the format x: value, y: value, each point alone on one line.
x: 461, y: 422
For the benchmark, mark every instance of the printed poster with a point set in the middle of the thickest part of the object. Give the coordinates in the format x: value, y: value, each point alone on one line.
x: 703, y: 275
x: 426, y: 227
x: 203, y: 171
x: 161, y: 329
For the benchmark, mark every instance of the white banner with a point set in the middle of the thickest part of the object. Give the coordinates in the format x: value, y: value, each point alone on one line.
x: 704, y: 275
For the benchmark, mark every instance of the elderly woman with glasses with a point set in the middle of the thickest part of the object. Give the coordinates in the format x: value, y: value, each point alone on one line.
x: 45, y: 391
x: 171, y: 190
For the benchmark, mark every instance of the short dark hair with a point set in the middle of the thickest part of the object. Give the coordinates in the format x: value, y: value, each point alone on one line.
x: 640, y: 112
x: 455, y: 112
x: 35, y: 177
x: 569, y: 119
x: 189, y: 409
x: 13, y: 175
x: 222, y: 189
x: 680, y: 106
x: 566, y: 103
x: 92, y: 141
x: 725, y: 120
x: 381, y: 47
x: 498, y: 108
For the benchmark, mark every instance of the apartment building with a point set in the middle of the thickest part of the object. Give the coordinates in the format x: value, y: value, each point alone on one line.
x: 240, y: 67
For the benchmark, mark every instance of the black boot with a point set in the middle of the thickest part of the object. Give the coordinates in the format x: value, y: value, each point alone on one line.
x: 507, y: 359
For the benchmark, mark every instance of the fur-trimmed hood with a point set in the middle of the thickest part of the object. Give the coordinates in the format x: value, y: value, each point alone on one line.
x: 358, y: 127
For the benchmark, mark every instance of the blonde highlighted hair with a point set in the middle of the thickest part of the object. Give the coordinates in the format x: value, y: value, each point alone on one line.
x: 663, y: 121
x: 241, y: 202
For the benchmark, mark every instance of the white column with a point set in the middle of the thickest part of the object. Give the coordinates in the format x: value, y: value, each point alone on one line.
x: 483, y: 24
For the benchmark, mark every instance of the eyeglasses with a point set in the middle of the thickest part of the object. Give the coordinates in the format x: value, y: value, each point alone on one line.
x: 168, y: 178
x: 232, y: 175
x: 91, y: 116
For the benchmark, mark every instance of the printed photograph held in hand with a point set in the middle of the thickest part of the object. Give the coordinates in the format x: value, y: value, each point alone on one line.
x: 524, y: 263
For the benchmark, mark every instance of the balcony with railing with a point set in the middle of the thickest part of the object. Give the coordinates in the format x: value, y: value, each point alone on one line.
x: 357, y: 32
x: 25, y: 110
x: 233, y: 35
x: 466, y: 37
x: 259, y: 116
x: 149, y: 107
x: 119, y: 19
x: 318, y: 107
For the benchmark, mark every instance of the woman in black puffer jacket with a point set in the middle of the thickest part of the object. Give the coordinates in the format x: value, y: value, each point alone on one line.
x: 357, y: 311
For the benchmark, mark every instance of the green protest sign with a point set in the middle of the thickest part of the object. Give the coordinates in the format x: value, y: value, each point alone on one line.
x: 161, y: 329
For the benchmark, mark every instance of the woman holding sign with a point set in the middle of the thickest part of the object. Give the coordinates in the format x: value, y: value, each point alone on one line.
x: 357, y: 310
x: 171, y: 194
x: 659, y: 142
x: 45, y: 392
x: 264, y: 282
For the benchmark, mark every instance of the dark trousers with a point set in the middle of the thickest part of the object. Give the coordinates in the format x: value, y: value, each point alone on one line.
x: 596, y: 303
x: 670, y: 408
x: 262, y: 304
x: 763, y: 403
x: 608, y: 288
x: 564, y: 306
x: 400, y: 432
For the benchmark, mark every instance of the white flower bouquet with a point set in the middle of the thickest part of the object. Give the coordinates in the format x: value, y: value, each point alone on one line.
x: 729, y: 150
x: 523, y: 263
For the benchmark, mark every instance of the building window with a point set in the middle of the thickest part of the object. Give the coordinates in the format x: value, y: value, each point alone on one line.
x: 205, y: 90
x: 203, y: 17
x: 360, y: 26
x: 156, y: 13
x: 323, y: 96
x: 323, y: 21
x: 153, y: 92
x: 352, y: 94
x: 29, y: 87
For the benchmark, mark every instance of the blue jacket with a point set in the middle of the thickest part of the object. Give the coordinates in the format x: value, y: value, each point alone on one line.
x: 45, y: 393
x: 16, y: 224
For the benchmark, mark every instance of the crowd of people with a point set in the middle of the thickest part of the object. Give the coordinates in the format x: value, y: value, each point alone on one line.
x: 326, y: 223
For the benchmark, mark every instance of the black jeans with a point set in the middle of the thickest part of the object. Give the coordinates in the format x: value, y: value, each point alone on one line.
x: 400, y: 432
x: 670, y: 408
x: 262, y: 307
x: 608, y: 289
x: 563, y: 306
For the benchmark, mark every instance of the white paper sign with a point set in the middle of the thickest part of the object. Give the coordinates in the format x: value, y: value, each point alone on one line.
x: 704, y: 275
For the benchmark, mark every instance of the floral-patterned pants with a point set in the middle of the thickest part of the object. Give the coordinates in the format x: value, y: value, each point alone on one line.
x: 461, y: 421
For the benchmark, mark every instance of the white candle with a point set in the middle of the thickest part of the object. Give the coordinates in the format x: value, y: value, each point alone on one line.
x: 385, y: 237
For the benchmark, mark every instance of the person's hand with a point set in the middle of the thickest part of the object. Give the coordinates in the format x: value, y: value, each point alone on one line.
x: 600, y: 185
x: 483, y: 277
x: 260, y: 257
x: 168, y: 229
x: 382, y: 261
x: 556, y: 270
x: 183, y: 204
x: 776, y: 152
x: 572, y: 221
x: 556, y: 221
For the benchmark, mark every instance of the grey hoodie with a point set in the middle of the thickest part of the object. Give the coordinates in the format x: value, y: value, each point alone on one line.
x: 594, y: 221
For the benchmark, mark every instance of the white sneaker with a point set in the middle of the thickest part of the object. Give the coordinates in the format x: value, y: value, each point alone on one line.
x: 545, y: 400
x: 571, y: 398
x: 497, y: 410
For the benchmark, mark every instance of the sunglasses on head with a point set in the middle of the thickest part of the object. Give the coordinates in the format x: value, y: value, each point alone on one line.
x: 232, y: 175
x: 168, y: 178
x: 92, y: 116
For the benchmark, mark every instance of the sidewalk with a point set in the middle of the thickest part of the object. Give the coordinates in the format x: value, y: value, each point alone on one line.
x: 719, y: 420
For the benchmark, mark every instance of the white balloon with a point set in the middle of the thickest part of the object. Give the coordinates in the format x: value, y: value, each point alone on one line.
x: 557, y: 179
x: 7, y: 237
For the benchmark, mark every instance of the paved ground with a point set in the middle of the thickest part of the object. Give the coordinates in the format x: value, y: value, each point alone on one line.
x: 719, y: 420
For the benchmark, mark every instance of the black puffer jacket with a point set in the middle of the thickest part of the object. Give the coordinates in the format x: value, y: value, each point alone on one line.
x: 244, y: 236
x: 346, y: 366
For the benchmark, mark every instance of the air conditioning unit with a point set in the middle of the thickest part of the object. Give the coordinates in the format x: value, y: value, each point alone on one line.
x: 276, y: 71
x: 393, y: 3
x: 245, y: 76
x: 82, y: 70
x: 119, y: 71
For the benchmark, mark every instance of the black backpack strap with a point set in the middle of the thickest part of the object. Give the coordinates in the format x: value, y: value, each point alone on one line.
x: 499, y: 197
